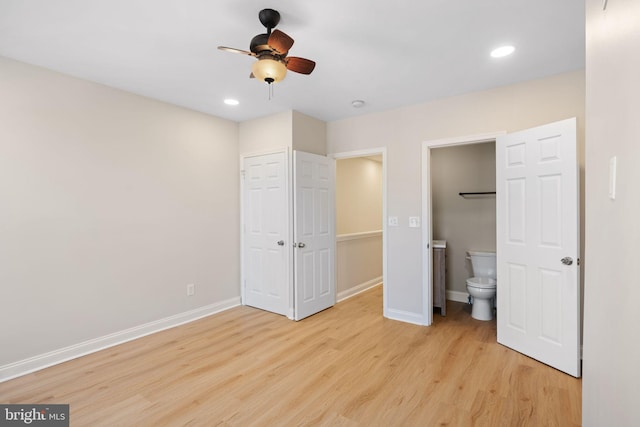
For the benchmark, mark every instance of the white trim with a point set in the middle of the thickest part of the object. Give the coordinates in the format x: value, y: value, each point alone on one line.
x: 358, y: 289
x: 427, y: 225
x: 274, y: 150
x: 242, y: 226
x: 291, y: 264
x: 405, y: 316
x: 359, y: 153
x: 463, y: 140
x: 364, y: 153
x: 427, y: 217
x: 457, y: 296
x: 355, y: 236
x: 41, y: 361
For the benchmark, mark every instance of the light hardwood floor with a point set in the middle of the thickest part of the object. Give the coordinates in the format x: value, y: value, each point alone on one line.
x: 345, y: 366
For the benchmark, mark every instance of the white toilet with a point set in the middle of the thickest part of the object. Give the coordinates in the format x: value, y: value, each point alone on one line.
x: 482, y: 287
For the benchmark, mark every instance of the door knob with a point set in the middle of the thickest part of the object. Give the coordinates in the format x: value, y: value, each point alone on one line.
x: 567, y: 260
x: 301, y: 245
x: 280, y: 242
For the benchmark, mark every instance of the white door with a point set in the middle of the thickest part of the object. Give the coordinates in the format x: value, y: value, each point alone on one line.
x: 314, y: 231
x: 265, y: 232
x: 538, y: 244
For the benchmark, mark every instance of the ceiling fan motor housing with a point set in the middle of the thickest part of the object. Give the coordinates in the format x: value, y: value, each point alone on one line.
x: 259, y: 43
x: 269, y: 18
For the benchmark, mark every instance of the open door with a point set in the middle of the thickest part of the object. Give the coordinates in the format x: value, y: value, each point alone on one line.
x: 314, y: 234
x: 538, y: 226
x: 265, y: 218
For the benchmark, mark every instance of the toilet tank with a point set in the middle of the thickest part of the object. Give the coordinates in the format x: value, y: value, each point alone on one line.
x: 483, y: 263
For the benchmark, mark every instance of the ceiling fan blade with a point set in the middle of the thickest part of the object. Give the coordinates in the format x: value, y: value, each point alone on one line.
x: 234, y: 50
x: 300, y: 65
x: 280, y: 42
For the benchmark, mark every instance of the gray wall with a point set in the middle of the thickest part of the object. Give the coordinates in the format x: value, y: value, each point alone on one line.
x: 465, y: 223
x: 611, y: 384
x: 265, y: 134
x: 290, y: 129
x: 402, y: 132
x: 111, y: 204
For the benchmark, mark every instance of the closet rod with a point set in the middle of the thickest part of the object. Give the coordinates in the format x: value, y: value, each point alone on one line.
x: 478, y: 193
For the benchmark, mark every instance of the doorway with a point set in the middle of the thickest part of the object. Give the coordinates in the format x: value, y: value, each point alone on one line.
x: 537, y: 241
x: 463, y: 184
x: 427, y: 210
x: 360, y: 225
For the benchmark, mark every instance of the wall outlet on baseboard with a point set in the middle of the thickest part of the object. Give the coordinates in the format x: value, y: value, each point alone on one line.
x: 191, y: 290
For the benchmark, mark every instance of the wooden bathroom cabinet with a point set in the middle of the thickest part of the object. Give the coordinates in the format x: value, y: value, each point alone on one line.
x: 439, y: 272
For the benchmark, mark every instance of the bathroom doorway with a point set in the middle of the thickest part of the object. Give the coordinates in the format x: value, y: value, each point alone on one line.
x: 360, y: 229
x: 463, y: 185
x: 428, y: 148
x: 537, y: 242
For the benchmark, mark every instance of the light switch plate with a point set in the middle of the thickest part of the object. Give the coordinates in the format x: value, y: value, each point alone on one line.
x: 393, y: 221
x: 414, y: 222
x: 613, y: 163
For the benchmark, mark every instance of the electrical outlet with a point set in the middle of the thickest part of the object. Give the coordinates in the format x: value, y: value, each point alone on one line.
x: 191, y: 289
x: 393, y: 221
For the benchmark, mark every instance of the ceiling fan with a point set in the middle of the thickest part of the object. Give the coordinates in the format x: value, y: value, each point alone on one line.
x: 271, y: 49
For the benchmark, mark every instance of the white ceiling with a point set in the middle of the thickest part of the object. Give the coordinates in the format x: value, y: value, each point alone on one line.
x: 389, y: 54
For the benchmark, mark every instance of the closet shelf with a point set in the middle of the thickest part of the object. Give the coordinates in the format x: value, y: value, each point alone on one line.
x: 478, y: 193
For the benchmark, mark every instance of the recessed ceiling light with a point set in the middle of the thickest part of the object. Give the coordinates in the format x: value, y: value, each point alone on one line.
x: 230, y: 101
x: 358, y: 103
x: 502, y: 51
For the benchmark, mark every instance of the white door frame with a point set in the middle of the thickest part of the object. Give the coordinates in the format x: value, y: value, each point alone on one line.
x: 365, y: 153
x: 288, y: 155
x: 427, y: 217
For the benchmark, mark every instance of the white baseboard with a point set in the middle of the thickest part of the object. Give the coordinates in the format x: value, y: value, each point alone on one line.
x: 359, y: 288
x: 32, y: 364
x: 405, y: 316
x: 457, y: 296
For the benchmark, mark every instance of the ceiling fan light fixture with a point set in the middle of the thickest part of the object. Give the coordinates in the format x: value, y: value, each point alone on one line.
x: 269, y: 70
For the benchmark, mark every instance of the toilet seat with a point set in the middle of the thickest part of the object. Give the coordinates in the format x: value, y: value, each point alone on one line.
x: 482, y: 282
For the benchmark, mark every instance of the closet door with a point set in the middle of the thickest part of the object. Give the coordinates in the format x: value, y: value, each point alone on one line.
x: 314, y: 233
x: 265, y: 211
